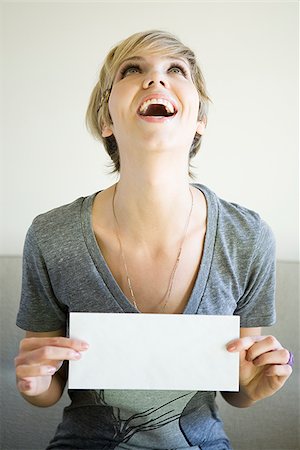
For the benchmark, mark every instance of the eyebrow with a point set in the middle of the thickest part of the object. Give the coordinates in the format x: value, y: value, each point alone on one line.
x: 141, y: 58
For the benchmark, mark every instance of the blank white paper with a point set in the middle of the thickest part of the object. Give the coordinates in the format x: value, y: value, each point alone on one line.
x: 155, y: 351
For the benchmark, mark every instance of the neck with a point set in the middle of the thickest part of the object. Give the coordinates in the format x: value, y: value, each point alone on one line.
x: 152, y: 205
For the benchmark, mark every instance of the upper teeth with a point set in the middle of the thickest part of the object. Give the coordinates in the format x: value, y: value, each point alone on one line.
x: 157, y: 101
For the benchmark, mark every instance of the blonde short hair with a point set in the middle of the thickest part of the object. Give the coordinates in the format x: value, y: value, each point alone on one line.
x: 156, y: 42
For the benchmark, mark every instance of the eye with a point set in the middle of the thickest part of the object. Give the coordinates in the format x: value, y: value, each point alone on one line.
x: 130, y: 69
x: 178, y: 68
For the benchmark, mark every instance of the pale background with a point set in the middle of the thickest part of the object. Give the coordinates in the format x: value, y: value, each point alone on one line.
x: 51, y: 56
x: 52, y: 52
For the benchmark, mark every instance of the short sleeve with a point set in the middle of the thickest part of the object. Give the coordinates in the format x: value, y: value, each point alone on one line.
x: 256, y: 307
x: 39, y: 309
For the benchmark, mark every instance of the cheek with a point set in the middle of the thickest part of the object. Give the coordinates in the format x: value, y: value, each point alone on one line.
x: 111, y: 105
x: 118, y: 104
x: 112, y: 101
x: 191, y: 99
x: 196, y: 99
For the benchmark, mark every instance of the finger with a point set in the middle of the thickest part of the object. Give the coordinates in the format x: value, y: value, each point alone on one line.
x: 279, y: 370
x: 244, y: 343
x: 25, y: 371
x: 46, y: 354
x: 266, y: 345
x: 273, y: 357
x: 24, y: 385
x: 33, y: 343
x: 258, y: 345
x: 29, y: 386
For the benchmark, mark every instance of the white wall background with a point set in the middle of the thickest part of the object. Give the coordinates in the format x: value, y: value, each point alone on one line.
x: 52, y: 52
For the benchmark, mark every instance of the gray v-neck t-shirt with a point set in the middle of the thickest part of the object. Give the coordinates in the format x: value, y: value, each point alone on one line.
x: 64, y: 271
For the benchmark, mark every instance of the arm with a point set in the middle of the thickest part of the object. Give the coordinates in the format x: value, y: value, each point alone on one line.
x: 40, y: 371
x: 263, y: 367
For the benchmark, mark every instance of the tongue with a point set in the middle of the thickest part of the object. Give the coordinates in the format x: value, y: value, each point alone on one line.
x: 156, y: 110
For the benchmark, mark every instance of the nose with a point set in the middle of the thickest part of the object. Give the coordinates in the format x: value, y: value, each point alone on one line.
x: 155, y: 79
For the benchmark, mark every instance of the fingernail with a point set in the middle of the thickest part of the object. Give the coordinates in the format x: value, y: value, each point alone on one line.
x: 231, y: 347
x: 84, y: 345
x: 51, y: 370
x: 76, y: 355
x: 25, y: 386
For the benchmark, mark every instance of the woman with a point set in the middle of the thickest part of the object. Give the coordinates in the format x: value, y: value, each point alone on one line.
x: 151, y: 243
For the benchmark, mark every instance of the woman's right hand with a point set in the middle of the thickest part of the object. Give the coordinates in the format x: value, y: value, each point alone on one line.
x: 40, y: 358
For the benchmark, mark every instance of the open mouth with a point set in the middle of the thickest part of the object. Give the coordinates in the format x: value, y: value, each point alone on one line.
x: 157, y: 108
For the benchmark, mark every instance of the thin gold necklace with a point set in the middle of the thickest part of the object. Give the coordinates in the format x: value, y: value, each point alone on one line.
x: 170, y: 284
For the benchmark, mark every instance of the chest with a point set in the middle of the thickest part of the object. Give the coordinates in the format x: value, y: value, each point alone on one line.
x: 159, y: 282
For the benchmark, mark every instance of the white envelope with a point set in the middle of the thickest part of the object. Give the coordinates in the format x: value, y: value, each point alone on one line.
x: 155, y: 351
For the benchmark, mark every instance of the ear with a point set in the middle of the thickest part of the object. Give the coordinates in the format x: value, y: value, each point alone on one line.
x: 106, y: 131
x: 201, y: 125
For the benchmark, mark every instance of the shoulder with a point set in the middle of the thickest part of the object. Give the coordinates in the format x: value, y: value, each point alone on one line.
x: 58, y: 226
x: 237, y: 225
x: 241, y: 220
x: 58, y: 216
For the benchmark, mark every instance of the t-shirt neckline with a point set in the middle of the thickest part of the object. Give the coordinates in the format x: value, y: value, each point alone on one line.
x: 101, y: 266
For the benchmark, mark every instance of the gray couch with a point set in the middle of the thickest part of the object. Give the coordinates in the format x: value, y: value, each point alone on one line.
x: 272, y: 424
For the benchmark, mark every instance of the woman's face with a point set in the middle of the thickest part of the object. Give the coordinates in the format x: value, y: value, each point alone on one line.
x: 154, y: 104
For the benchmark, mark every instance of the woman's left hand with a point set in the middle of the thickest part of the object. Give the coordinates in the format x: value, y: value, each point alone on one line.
x: 264, y: 365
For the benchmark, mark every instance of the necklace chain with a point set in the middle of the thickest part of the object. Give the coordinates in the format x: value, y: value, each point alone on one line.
x: 167, y: 294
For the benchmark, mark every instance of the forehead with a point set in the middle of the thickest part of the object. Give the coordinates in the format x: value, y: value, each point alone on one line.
x: 152, y: 46
x: 152, y: 58
x: 134, y: 52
